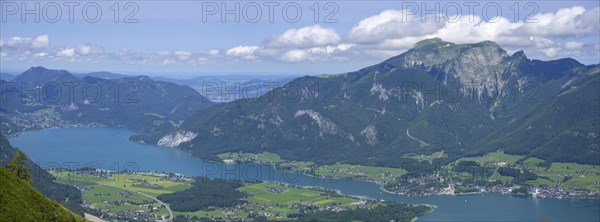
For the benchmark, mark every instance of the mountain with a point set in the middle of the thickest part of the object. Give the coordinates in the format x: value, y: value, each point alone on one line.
x: 564, y: 128
x: 231, y: 87
x: 68, y: 196
x: 6, y: 76
x: 103, y: 75
x: 224, y: 88
x: 463, y: 99
x: 19, y: 201
x: 42, y: 98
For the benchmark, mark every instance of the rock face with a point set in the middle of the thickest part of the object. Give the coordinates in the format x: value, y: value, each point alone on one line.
x: 479, y: 68
x: 174, y: 139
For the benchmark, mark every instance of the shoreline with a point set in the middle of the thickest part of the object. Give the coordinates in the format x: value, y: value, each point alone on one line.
x: 395, y: 193
x: 274, y: 166
x: 356, y: 199
x: 432, y: 208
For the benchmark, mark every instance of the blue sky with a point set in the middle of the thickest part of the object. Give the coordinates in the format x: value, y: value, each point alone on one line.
x: 171, y: 36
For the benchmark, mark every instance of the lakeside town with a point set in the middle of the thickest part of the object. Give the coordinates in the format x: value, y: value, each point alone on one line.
x: 423, y: 186
x: 503, y: 174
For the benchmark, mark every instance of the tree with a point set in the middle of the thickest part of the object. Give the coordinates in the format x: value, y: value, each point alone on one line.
x: 18, y: 166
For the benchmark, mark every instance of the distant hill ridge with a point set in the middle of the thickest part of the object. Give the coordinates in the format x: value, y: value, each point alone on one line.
x: 42, y: 98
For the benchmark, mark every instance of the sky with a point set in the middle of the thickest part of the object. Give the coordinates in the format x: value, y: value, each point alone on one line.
x: 269, y: 37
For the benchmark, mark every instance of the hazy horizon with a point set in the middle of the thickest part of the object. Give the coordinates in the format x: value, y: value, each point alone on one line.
x: 192, y: 37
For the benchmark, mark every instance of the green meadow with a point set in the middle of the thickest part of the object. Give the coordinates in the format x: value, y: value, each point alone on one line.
x: 262, y: 193
x: 118, y: 192
x: 338, y: 170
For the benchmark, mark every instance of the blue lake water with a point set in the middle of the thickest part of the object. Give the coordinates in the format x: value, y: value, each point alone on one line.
x: 109, y: 148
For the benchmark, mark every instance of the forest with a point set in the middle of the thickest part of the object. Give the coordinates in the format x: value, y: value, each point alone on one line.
x: 205, y: 193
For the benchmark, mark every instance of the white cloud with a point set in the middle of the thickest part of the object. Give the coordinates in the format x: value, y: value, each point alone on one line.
x: 571, y: 31
x: 213, y: 52
x: 85, y: 49
x: 183, y: 55
x: 41, y: 42
x: 202, y: 60
x: 40, y: 54
x: 246, y: 52
x: 325, y: 53
x: 565, y: 22
x: 26, y: 44
x: 550, y: 52
x: 501, y: 31
x: 67, y: 52
x: 391, y: 24
x: 89, y: 50
x: 169, y: 62
x: 573, y: 45
x: 295, y: 55
x: 540, y: 42
x: 395, y: 31
x: 16, y: 41
x: 388, y: 29
x: 309, y: 36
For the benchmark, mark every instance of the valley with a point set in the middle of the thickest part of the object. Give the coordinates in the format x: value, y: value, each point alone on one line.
x: 115, y: 196
x: 109, y: 148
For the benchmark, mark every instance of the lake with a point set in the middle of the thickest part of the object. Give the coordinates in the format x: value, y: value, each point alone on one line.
x: 110, y: 148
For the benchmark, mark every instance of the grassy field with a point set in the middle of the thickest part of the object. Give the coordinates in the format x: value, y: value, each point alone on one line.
x: 101, y: 193
x: 202, y: 213
x: 582, y: 176
x: 117, y: 193
x: 567, y: 175
x: 533, y: 161
x: 273, y: 199
x: 119, y: 208
x: 126, y: 181
x: 497, y: 176
x: 426, y: 157
x: 497, y: 157
x: 264, y: 193
x: 338, y: 170
x: 378, y: 174
x: 264, y: 157
x: 542, y: 182
x: 212, y: 214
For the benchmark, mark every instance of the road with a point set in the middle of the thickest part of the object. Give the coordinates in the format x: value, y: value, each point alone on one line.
x: 422, y: 144
x: 154, y: 198
x: 92, y: 218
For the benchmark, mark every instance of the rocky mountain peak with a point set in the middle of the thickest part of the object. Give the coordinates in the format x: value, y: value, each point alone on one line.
x: 478, y: 66
x: 520, y: 55
x: 437, y: 53
x: 428, y: 43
